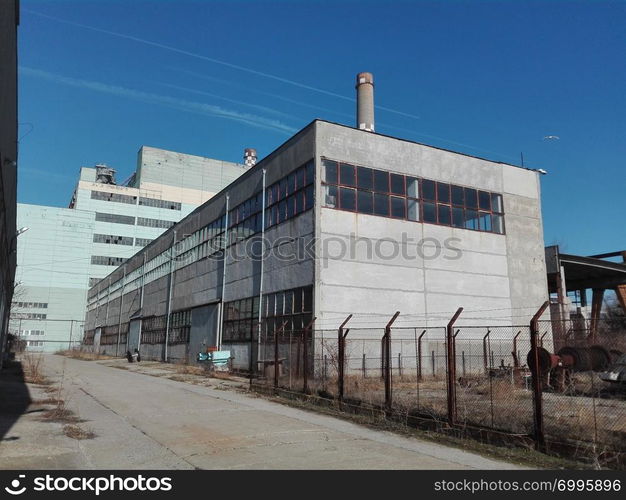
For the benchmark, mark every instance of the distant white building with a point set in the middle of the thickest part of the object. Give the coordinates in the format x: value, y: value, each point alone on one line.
x: 67, y: 250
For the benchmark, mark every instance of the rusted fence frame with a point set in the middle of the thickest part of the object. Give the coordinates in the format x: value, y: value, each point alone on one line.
x: 486, y: 350
x: 276, y: 370
x: 419, y: 355
x: 305, y: 354
x: 451, y: 368
x: 536, y: 378
x: 341, y: 354
x: 387, y: 361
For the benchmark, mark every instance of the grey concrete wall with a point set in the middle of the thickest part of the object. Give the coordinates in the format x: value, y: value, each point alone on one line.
x: 498, y: 279
x: 159, y: 166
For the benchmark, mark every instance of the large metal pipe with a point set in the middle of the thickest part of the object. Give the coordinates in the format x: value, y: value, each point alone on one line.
x: 365, y: 101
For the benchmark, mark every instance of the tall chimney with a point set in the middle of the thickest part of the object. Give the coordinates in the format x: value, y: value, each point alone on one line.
x: 249, y: 157
x: 365, y: 101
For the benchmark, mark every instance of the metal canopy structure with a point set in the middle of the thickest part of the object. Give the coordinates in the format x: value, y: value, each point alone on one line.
x: 579, y: 273
x: 586, y: 272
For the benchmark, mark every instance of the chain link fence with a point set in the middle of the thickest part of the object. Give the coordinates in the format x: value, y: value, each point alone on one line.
x: 558, y: 386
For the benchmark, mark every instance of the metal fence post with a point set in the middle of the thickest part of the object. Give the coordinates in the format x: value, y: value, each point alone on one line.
x: 451, y: 369
x: 305, y: 356
x: 536, y: 377
x: 419, y: 355
x: 276, y: 332
x: 387, y: 361
x: 341, y: 354
x: 486, y: 352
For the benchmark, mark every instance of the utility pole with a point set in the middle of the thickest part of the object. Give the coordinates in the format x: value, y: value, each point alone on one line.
x: 169, y: 295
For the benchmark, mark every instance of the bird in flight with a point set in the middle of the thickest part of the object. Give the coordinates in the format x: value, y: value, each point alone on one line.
x: 551, y: 138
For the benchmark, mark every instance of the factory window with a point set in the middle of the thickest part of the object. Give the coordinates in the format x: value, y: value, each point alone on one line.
x: 118, y: 219
x: 240, y: 319
x: 112, y: 239
x: 412, y: 187
x: 471, y: 198
x: 297, y: 194
x: 365, y: 178
x: 180, y: 326
x: 153, y: 330
x: 428, y: 190
x: 347, y: 176
x: 38, y: 305
x: 430, y: 212
x: 398, y: 207
x: 25, y: 333
x: 102, y: 260
x: 142, y: 242
x: 119, y: 198
x: 330, y: 171
x: 160, y: 223
x: 153, y: 202
x: 292, y: 307
x: 370, y: 191
x: 365, y: 201
x: 381, y: 204
x: 347, y: 199
x: 28, y: 316
x: 397, y: 184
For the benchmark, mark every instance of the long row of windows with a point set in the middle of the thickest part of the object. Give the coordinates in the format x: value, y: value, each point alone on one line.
x: 132, y: 200
x: 113, y: 239
x: 142, y: 242
x: 144, y: 221
x: 116, y: 197
x: 295, y: 196
x: 26, y: 333
x: 129, y: 219
x: 378, y: 192
x: 103, y: 260
x: 28, y: 316
x: 37, y: 305
x: 115, y: 218
x: 153, y: 202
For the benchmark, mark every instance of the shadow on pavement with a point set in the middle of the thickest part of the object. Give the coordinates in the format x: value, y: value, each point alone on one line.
x: 14, y: 397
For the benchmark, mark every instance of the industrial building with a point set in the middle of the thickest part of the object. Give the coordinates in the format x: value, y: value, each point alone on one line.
x: 66, y: 250
x: 336, y: 221
x: 9, y: 21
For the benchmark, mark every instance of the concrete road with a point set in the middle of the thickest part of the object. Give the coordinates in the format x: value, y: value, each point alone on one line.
x: 149, y: 422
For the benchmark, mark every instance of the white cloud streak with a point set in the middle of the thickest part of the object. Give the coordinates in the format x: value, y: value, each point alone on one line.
x: 172, y: 102
x: 213, y: 60
x: 264, y: 109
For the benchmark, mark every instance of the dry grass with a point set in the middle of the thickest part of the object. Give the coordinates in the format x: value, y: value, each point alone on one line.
x: 33, y: 369
x: 184, y: 369
x: 83, y: 355
x: 76, y: 432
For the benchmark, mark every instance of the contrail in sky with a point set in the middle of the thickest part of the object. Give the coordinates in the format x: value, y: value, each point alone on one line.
x: 172, y: 102
x: 212, y: 60
x: 265, y: 109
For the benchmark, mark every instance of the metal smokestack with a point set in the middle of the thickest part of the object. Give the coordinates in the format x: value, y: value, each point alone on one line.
x: 249, y: 157
x: 365, y: 101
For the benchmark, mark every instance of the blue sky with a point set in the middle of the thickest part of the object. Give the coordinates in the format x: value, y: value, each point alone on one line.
x: 99, y: 79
